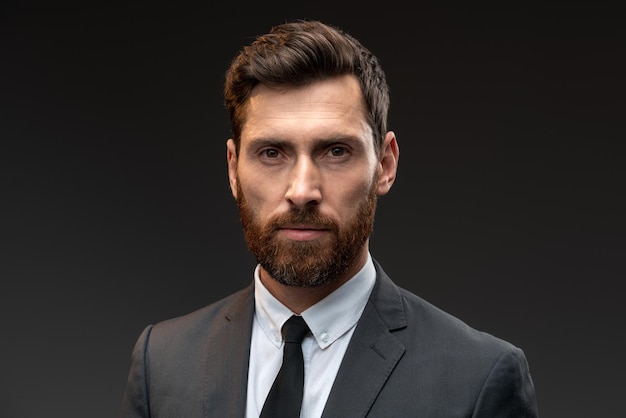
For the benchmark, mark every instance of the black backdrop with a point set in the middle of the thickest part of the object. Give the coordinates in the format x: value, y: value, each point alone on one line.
x: 508, y: 210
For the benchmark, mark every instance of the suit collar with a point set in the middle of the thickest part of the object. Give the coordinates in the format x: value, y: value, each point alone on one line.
x: 372, y: 354
x: 387, y: 300
x: 226, y: 375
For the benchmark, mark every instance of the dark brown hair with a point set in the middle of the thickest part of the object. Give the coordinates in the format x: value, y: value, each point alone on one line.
x: 298, y: 53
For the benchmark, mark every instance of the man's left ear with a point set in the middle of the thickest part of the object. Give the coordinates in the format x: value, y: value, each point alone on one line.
x: 388, y: 163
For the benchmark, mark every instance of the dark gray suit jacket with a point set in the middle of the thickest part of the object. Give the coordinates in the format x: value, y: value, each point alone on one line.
x: 406, y: 359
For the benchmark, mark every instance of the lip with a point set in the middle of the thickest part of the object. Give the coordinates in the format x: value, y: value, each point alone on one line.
x: 302, y: 232
x: 303, y: 226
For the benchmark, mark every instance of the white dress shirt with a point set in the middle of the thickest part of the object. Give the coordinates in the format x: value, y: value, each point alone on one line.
x: 332, y: 322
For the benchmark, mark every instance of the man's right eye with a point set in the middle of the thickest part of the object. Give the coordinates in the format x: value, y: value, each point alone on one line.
x: 270, y: 153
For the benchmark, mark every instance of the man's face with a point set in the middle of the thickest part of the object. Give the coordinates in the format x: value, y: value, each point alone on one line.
x: 306, y: 179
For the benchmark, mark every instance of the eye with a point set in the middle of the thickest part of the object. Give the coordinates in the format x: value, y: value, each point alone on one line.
x: 270, y: 153
x: 337, y: 151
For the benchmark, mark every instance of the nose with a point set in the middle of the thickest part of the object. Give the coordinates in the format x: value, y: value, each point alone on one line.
x: 305, y: 184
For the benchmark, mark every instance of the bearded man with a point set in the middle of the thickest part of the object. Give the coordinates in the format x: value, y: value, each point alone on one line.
x: 309, y: 156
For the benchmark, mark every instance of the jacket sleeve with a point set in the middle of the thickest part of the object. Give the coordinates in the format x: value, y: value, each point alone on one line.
x: 135, y: 403
x: 508, y: 391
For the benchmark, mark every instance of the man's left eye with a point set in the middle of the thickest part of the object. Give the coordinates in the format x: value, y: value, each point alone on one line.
x: 336, y: 151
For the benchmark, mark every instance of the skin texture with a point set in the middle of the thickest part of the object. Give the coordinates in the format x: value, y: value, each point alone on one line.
x: 310, y: 150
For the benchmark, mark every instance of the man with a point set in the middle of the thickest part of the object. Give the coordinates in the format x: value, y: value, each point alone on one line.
x: 309, y: 156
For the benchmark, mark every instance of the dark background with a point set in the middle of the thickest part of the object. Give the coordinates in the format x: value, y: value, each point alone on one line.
x: 508, y: 210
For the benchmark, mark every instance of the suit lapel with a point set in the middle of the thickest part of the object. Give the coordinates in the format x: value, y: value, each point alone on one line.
x: 372, y: 354
x: 226, y: 376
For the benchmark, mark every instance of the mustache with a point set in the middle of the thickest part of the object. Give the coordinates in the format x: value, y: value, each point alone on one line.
x: 302, y: 216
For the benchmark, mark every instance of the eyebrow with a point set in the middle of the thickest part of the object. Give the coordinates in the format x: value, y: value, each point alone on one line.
x: 318, y: 142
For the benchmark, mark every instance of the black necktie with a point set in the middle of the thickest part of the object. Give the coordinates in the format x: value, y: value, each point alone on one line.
x: 285, y: 397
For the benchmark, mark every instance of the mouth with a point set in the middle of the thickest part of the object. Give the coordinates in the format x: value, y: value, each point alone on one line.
x: 302, y: 232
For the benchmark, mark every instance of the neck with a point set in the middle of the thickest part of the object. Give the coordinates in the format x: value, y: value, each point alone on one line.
x: 298, y: 299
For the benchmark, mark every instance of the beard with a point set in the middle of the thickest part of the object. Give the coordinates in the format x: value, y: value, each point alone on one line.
x: 307, y: 263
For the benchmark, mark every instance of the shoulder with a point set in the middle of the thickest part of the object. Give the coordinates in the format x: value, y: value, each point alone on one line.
x: 449, y: 359
x: 441, y: 328
x: 204, y: 322
x: 426, y: 327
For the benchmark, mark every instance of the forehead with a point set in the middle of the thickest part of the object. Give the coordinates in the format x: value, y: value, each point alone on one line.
x: 331, y: 107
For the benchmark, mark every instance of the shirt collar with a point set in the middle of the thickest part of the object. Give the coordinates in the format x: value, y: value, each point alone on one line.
x: 328, y: 319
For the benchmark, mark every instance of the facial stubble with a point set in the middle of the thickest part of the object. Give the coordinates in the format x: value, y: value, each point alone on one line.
x: 307, y: 263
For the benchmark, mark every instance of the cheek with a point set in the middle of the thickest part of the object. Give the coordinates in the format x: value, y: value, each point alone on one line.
x: 348, y: 195
x: 261, y: 195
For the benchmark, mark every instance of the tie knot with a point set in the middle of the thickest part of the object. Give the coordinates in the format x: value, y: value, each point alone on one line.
x: 295, y: 329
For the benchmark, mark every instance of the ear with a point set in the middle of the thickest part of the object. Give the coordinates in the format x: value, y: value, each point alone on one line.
x: 231, y: 158
x: 388, y: 163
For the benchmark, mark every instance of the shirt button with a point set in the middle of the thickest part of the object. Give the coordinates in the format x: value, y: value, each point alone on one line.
x: 324, y: 337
